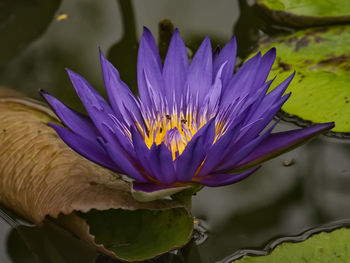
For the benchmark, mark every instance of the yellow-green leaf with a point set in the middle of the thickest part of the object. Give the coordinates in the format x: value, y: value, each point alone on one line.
x: 306, y: 13
x: 331, y: 247
x: 320, y: 88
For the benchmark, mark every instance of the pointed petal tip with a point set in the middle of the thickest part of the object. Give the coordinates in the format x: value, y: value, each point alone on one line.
x: 46, y: 96
x: 43, y: 93
x: 233, y: 43
x: 146, y: 31
x: 207, y: 40
x: 70, y: 72
x: 325, y: 125
x: 271, y: 50
x: 102, y: 56
x: 287, y: 95
x: 215, y: 180
x: 233, y: 39
x: 205, y: 44
x: 281, y: 142
x: 176, y: 36
x: 271, y: 55
x: 58, y: 128
x: 331, y: 124
x: 52, y: 125
x: 74, y: 76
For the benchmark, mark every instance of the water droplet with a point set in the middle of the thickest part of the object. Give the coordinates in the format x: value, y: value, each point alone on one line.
x: 200, y: 231
x: 288, y: 162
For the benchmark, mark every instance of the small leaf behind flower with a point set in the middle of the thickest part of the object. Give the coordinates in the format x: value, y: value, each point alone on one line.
x: 40, y: 176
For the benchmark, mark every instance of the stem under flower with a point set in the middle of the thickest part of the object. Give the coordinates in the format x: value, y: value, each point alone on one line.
x: 185, y: 196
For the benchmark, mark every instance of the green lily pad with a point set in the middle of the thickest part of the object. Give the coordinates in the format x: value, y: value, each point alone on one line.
x: 140, y: 234
x: 305, y: 13
x: 321, y: 248
x: 321, y: 86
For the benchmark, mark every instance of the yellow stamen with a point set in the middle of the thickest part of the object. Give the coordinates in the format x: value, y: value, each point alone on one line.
x: 184, y: 128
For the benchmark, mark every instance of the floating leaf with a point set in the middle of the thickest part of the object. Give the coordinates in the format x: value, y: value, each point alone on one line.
x: 320, y: 89
x: 321, y: 248
x: 305, y: 13
x: 40, y: 176
x: 127, y: 233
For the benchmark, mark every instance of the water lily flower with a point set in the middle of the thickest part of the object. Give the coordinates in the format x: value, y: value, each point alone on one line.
x: 193, y: 123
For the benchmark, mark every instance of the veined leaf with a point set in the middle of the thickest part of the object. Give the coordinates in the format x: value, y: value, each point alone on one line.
x: 320, y: 88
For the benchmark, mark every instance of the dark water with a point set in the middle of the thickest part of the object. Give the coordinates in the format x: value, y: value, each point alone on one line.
x: 301, y: 190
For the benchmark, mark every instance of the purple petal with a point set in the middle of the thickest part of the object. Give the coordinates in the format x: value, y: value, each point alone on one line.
x: 227, y: 55
x: 149, y: 39
x: 200, y: 71
x: 260, y: 123
x: 161, y: 163
x: 265, y: 66
x: 242, y: 81
x: 99, y: 111
x: 141, y: 150
x: 190, y: 160
x: 118, y: 92
x: 89, y: 97
x: 155, y: 97
x: 257, y: 99
x: 175, y: 68
x: 193, y: 155
x: 157, y: 162
x: 278, y: 143
x: 95, y: 105
x: 148, y: 61
x: 212, y: 99
x: 122, y: 158
x: 79, y: 123
x: 218, y: 151
x: 213, y: 180
x: 87, y: 148
x: 239, y: 153
x: 273, y: 96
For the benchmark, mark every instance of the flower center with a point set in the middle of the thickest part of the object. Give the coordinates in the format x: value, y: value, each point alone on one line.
x: 174, y: 130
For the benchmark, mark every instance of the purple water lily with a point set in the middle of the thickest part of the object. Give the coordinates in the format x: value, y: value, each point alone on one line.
x: 193, y: 123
